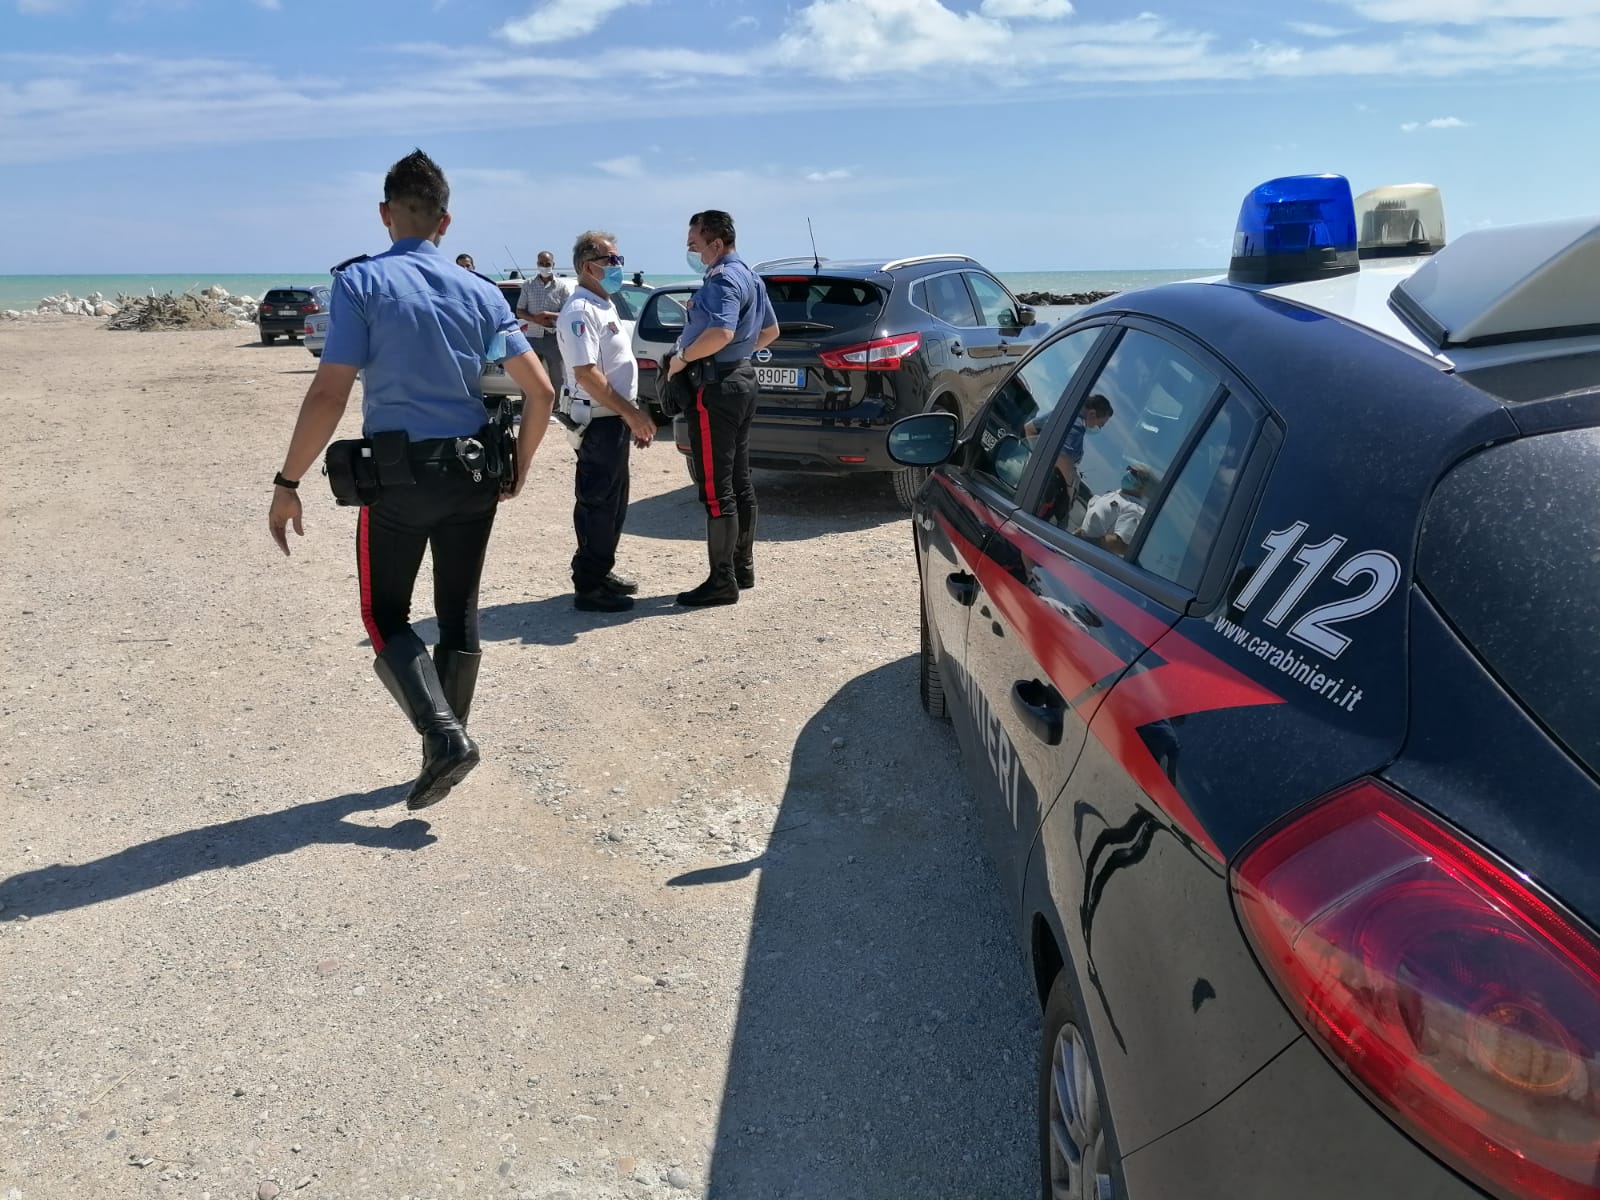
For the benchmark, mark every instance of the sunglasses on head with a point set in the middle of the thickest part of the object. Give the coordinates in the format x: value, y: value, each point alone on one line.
x: 610, y: 260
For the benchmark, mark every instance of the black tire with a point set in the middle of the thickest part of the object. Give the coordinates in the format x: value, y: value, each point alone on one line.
x: 268, y: 338
x: 1078, y: 1156
x: 907, y: 483
x: 316, y: 354
x: 929, y: 685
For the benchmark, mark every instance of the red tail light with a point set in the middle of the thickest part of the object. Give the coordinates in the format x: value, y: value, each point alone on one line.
x: 1456, y: 996
x: 649, y: 364
x: 309, y: 330
x: 883, y: 354
x: 308, y: 308
x: 266, y: 308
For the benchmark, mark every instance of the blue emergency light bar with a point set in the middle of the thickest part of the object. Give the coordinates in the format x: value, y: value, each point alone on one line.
x: 1296, y: 228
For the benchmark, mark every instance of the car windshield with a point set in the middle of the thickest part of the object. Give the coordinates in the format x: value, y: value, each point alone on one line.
x: 822, y: 303
x: 1510, y: 556
x: 288, y: 297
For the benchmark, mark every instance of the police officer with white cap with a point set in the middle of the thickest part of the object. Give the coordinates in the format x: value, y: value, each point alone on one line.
x: 729, y: 319
x: 420, y: 328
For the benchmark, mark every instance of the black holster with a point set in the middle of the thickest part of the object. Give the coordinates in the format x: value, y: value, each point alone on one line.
x: 358, y: 469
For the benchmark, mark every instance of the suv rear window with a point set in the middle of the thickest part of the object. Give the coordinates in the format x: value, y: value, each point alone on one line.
x: 824, y: 303
x: 283, y: 296
x: 1509, y: 553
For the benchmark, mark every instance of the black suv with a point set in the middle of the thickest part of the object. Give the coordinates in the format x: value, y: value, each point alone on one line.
x: 863, y: 344
x: 284, y: 310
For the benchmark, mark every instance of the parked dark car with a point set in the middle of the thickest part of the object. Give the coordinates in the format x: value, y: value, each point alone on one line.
x: 865, y: 343
x: 284, y: 311
x: 1265, y: 616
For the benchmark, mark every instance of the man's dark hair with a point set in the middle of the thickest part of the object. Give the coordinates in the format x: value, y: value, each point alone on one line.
x: 714, y: 224
x: 416, y: 184
x: 1098, y: 404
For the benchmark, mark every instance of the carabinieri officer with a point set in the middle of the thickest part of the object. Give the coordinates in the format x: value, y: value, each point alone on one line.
x: 730, y: 318
x: 421, y: 329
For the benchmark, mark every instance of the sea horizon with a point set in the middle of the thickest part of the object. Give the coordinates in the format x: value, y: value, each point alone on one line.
x: 25, y: 291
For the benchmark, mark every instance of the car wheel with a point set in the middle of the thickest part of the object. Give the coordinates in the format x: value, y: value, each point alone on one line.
x: 316, y: 354
x: 268, y: 338
x: 929, y: 685
x: 907, y: 483
x: 1078, y: 1158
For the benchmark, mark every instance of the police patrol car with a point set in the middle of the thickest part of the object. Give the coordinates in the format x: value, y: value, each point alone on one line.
x: 1265, y: 609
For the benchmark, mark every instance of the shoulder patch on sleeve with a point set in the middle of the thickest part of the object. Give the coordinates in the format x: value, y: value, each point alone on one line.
x: 716, y: 270
x: 577, y: 329
x: 348, y: 262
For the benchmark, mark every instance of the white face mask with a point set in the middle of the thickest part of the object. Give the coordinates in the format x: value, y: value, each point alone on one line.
x: 546, y: 272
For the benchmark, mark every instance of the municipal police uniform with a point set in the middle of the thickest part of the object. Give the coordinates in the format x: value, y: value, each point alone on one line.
x: 420, y: 329
x: 590, y: 333
x: 733, y: 298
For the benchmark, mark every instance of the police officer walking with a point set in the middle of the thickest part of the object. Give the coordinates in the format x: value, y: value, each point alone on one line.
x: 421, y: 329
x: 729, y: 319
x: 601, y: 386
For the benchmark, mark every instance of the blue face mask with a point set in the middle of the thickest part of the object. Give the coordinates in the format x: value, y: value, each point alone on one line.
x: 1131, y: 482
x: 611, y: 280
x: 694, y: 261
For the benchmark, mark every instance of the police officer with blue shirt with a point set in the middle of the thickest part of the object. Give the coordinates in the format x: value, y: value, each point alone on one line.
x: 420, y: 328
x: 730, y: 318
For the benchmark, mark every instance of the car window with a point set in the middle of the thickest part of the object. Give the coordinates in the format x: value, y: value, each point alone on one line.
x: 286, y: 296
x: 671, y: 309
x: 1182, y: 532
x: 630, y: 300
x: 998, y: 310
x: 946, y: 297
x: 1112, y: 462
x: 822, y: 302
x: 1008, y: 430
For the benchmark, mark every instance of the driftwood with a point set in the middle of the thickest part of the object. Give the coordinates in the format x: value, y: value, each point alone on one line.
x: 170, y: 311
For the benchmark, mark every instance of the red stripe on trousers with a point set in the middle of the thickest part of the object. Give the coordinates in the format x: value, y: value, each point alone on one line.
x: 364, y: 568
x: 705, y: 456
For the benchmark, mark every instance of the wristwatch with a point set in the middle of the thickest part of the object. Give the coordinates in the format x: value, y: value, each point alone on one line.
x: 279, y: 481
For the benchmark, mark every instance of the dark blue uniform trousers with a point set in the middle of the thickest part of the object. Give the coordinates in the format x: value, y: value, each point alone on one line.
x: 602, y: 507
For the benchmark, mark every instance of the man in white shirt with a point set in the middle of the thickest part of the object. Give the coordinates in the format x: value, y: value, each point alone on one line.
x: 602, y: 383
x: 540, y: 300
x: 1112, y: 519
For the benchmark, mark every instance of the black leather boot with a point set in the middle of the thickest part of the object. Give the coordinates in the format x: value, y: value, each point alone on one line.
x: 447, y: 752
x: 744, y: 554
x: 458, y: 675
x: 720, y: 587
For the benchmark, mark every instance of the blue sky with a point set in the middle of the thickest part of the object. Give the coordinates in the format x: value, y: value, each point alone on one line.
x: 252, y: 135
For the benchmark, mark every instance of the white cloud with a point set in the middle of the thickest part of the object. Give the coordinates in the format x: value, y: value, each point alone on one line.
x: 561, y: 20
x: 866, y: 37
x: 1027, y: 10
x: 745, y: 22
x: 833, y: 176
x: 1436, y: 123
x: 1313, y: 29
x: 629, y: 166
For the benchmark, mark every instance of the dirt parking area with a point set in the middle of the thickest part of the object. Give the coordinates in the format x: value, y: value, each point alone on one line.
x: 712, y: 918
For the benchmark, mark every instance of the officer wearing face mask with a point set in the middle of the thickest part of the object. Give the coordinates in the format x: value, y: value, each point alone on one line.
x: 541, y: 299
x: 730, y: 318
x: 601, y: 386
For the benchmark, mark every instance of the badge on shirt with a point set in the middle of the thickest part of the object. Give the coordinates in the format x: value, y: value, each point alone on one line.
x: 577, y: 329
x: 613, y: 327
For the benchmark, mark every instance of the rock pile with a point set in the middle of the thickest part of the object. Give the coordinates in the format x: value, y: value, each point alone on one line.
x: 1062, y: 297
x: 213, y: 308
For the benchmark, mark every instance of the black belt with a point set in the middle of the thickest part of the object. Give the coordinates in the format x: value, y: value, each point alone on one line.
x: 721, y: 370
x: 431, y: 450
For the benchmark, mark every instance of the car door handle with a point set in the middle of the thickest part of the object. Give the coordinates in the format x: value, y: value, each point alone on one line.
x: 963, y: 587
x: 1041, y: 708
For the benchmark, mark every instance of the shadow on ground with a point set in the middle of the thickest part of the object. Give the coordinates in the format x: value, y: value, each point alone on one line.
x: 793, y: 507
x: 154, y: 864
x: 885, y: 1035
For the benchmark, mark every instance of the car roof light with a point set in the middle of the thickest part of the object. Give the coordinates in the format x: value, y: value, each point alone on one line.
x: 1296, y: 228
x: 1402, y: 220
x: 1458, y: 997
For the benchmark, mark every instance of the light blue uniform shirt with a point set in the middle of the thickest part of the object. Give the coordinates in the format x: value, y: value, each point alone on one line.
x: 420, y: 328
x: 732, y: 297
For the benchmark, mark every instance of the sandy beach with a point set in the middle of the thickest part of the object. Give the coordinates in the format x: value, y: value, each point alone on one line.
x: 712, y: 919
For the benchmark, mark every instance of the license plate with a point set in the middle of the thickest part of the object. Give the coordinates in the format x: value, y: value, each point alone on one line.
x: 781, y: 377
x: 288, y: 312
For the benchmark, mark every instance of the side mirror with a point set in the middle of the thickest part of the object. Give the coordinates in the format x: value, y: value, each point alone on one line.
x: 925, y: 440
x: 1025, y: 316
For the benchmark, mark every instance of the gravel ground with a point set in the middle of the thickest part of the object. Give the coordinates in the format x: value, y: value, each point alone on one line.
x: 711, y: 919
